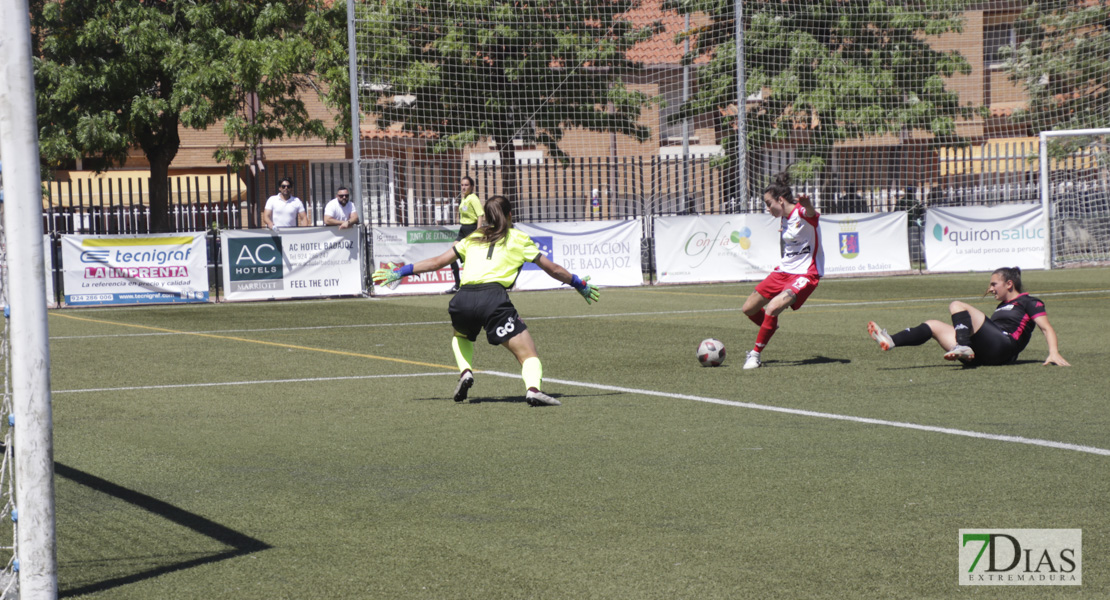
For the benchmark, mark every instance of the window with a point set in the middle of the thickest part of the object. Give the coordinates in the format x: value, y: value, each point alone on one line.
x: 995, y: 38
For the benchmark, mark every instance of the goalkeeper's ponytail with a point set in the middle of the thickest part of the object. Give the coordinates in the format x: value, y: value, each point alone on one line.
x: 499, y: 218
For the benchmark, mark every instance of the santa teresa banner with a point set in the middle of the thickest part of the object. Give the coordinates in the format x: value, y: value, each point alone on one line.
x: 300, y: 262
x: 155, y: 268
x: 984, y: 238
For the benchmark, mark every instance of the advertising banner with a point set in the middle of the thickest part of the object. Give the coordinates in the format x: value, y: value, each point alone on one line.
x: 300, y: 262
x: 404, y: 245
x: 702, y: 248
x: 47, y: 250
x: 155, y: 268
x: 864, y: 243
x: 984, y: 238
x: 607, y: 251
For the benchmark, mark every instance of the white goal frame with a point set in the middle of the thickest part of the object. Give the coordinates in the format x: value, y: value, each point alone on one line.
x: 1045, y: 183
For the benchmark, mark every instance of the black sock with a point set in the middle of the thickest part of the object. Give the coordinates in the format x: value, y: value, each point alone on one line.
x: 962, y: 322
x: 455, y: 271
x: 913, y: 336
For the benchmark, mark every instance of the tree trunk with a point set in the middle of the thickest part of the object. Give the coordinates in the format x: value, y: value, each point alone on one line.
x: 159, y: 195
x: 509, y: 180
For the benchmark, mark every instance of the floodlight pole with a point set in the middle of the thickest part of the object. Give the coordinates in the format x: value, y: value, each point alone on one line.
x: 30, y: 350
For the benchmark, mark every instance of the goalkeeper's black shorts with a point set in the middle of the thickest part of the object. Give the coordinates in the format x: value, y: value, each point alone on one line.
x: 485, y: 306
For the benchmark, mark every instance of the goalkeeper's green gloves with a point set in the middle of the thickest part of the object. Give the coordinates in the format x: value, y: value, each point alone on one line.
x: 589, y: 292
x: 391, y: 274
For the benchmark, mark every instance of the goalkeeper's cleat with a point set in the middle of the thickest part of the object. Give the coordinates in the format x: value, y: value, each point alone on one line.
x: 466, y: 380
x: 538, y: 398
x: 963, y: 353
x: 753, y: 361
x: 880, y: 335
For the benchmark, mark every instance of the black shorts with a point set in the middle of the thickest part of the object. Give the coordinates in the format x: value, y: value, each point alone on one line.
x: 465, y: 230
x: 993, y: 346
x: 485, y: 306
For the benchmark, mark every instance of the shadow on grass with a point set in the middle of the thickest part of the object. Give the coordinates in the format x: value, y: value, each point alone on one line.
x: 239, y: 543
x: 816, y: 360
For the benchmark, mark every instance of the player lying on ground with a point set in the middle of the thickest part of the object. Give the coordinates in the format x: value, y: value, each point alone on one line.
x: 974, y: 339
x: 492, y: 258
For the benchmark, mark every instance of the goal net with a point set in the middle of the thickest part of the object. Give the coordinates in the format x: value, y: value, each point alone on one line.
x: 9, y: 586
x: 618, y: 108
x: 1077, y: 191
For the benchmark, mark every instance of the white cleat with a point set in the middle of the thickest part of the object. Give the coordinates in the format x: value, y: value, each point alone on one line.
x: 466, y: 380
x: 538, y: 398
x: 880, y: 335
x: 963, y: 353
x: 753, y: 361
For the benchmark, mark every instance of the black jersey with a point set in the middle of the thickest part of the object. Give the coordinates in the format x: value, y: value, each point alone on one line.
x: 1015, y: 319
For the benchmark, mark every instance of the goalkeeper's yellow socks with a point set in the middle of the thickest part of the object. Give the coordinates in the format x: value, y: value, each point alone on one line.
x: 464, y: 352
x: 532, y: 372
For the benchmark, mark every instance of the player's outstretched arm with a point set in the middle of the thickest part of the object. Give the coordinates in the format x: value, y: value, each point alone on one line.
x: 807, y: 205
x: 392, y: 273
x: 1054, y: 357
x: 589, y: 292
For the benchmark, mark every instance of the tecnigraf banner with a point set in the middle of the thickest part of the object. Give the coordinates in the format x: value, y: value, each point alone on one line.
x: 301, y: 262
x: 702, y: 248
x: 864, y: 243
x: 984, y: 238
x: 155, y: 268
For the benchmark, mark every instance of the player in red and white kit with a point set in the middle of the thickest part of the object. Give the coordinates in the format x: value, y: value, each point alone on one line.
x: 801, y: 268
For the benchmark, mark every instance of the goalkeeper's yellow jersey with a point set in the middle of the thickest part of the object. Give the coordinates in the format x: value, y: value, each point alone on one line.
x: 500, y: 263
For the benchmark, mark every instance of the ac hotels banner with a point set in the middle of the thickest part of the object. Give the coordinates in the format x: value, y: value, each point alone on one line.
x: 301, y: 262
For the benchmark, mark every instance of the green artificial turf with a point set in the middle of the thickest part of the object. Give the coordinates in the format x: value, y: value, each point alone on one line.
x: 314, y: 470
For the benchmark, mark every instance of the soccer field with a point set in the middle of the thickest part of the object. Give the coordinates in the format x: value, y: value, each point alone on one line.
x: 312, y: 450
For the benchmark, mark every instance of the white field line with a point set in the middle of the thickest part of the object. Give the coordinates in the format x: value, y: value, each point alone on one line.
x: 823, y: 415
x: 255, y: 382
x: 580, y: 316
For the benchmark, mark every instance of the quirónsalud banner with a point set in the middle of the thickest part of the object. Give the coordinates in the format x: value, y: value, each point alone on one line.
x: 701, y: 248
x: 607, y: 251
x: 984, y: 238
x: 142, y: 269
x: 298, y: 262
x: 864, y: 243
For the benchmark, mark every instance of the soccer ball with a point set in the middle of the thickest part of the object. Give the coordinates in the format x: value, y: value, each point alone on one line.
x: 711, y: 353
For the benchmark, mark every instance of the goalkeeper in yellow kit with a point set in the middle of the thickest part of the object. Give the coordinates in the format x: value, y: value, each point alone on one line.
x: 492, y: 258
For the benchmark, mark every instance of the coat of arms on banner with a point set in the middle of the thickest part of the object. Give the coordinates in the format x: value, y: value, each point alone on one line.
x: 849, y: 239
x: 547, y: 247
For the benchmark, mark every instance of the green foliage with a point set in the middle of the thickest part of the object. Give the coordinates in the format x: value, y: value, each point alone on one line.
x: 113, y: 75
x: 1061, y: 61
x: 830, y: 71
x: 490, y: 68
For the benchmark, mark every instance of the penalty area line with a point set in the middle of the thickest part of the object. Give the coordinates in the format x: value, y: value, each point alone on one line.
x: 1015, y: 439
x: 255, y: 382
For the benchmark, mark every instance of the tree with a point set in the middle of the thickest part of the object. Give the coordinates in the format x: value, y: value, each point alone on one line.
x: 500, y: 69
x: 1062, y: 63
x: 833, y: 69
x: 115, y: 75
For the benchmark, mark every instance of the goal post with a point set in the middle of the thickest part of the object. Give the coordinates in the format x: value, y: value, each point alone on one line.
x: 32, y: 420
x: 1075, y: 195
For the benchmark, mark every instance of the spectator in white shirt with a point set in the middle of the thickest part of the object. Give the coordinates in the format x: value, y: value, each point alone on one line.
x: 340, y: 210
x: 283, y: 209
